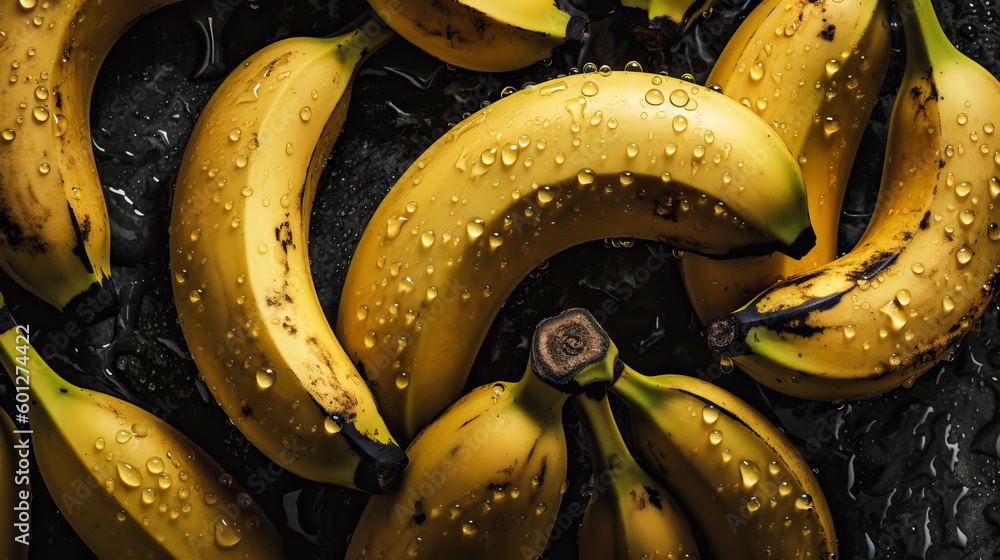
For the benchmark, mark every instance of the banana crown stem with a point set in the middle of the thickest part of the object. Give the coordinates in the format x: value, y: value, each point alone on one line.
x: 571, y: 351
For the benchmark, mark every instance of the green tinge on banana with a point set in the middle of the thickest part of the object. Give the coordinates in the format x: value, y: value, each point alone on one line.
x: 571, y: 160
x: 486, y: 478
x: 659, y: 24
x: 739, y: 479
x: 633, y: 516
x: 240, y: 263
x: 54, y: 230
x: 484, y: 35
x: 925, y: 269
x: 128, y: 483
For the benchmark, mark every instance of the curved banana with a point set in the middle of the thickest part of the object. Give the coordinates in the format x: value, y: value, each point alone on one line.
x: 738, y: 477
x: 629, y: 515
x: 574, y: 159
x: 484, y: 35
x: 923, y: 271
x: 54, y: 233
x: 15, y: 492
x: 659, y: 24
x: 816, y: 83
x: 486, y: 478
x: 129, y: 484
x: 240, y: 263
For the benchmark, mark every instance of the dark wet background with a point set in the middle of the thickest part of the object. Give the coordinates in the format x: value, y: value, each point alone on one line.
x: 911, y: 474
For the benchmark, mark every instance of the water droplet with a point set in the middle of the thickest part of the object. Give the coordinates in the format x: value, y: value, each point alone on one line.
x: 44, y: 169
x: 235, y: 134
x: 903, y: 297
x: 227, y: 533
x: 894, y: 359
x: 715, y: 437
x: 670, y: 149
x: 8, y: 134
x: 948, y: 303
x: 963, y: 189
x: 546, y: 195
x: 154, y: 465
x: 962, y: 118
x: 917, y: 268
x: 750, y: 472
x: 589, y: 88
x: 585, y: 176
x: 123, y: 436
x: 27, y: 5
x: 262, y: 248
x: 148, y: 496
x: 265, y: 377
x: 994, y: 232
x: 726, y: 364
x: 757, y: 71
x: 804, y: 502
x: 370, y: 339
x: 831, y: 125
x: 967, y: 217
x: 964, y: 255
x: 402, y: 380
x: 496, y: 240
x: 331, y: 425
x: 654, y: 97
x: 305, y: 114
x: 475, y: 227
x: 469, y: 528
x: 631, y: 150
x: 710, y: 414
x: 164, y: 481
x: 679, y: 98
x: 427, y: 238
x: 129, y: 475
x: 41, y: 114
x: 120, y: 516
x: 832, y: 67
x: 680, y: 123
x: 605, y: 70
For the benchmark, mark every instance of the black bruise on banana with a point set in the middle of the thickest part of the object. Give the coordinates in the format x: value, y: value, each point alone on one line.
x: 82, y: 232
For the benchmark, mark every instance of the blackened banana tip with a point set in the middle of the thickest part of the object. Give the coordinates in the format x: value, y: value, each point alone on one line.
x: 96, y: 304
x: 802, y: 244
x: 722, y: 335
x: 381, y: 462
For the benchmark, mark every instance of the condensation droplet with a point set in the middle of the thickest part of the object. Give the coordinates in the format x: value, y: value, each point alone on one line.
x: 129, y: 475
x: 654, y: 97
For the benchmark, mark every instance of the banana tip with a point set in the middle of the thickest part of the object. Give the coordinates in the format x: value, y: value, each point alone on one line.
x: 802, y: 244
x: 380, y: 470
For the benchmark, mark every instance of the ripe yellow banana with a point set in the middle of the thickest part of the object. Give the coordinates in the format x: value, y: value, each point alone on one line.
x: 54, y: 233
x: 659, y: 24
x: 240, y: 263
x: 574, y: 159
x: 737, y: 476
x: 484, y: 35
x: 813, y: 71
x: 486, y: 478
x: 129, y: 484
x: 15, y: 492
x: 629, y: 515
x: 923, y: 271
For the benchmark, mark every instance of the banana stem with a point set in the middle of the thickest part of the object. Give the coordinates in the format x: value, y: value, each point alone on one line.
x: 369, y: 35
x: 635, y: 388
x: 608, y: 452
x: 537, y: 397
x: 926, y: 42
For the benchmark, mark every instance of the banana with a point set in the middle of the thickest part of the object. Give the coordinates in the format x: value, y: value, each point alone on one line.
x: 239, y: 259
x: 128, y: 483
x: 54, y: 232
x: 486, y: 478
x: 659, y: 24
x: 15, y: 492
x: 924, y: 270
x: 574, y: 159
x: 484, y: 35
x: 737, y: 476
x: 629, y: 515
x: 816, y: 83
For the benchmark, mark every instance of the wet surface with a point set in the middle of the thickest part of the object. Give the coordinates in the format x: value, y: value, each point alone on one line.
x: 911, y: 474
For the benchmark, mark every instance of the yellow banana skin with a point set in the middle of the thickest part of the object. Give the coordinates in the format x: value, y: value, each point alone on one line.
x: 574, y: 159
x: 129, y: 484
x: 844, y: 48
x: 54, y: 232
x: 15, y: 493
x: 632, y: 516
x: 484, y: 35
x: 659, y: 24
x: 239, y: 259
x: 923, y: 271
x: 486, y: 478
x: 737, y: 476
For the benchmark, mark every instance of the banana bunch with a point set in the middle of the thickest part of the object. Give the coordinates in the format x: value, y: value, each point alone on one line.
x: 924, y: 270
x: 573, y: 159
x: 737, y: 476
x: 486, y: 478
x: 240, y: 264
x: 631, y: 516
x: 15, y: 493
x: 659, y: 24
x: 816, y: 83
x: 484, y: 35
x: 54, y: 233
x: 129, y: 484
